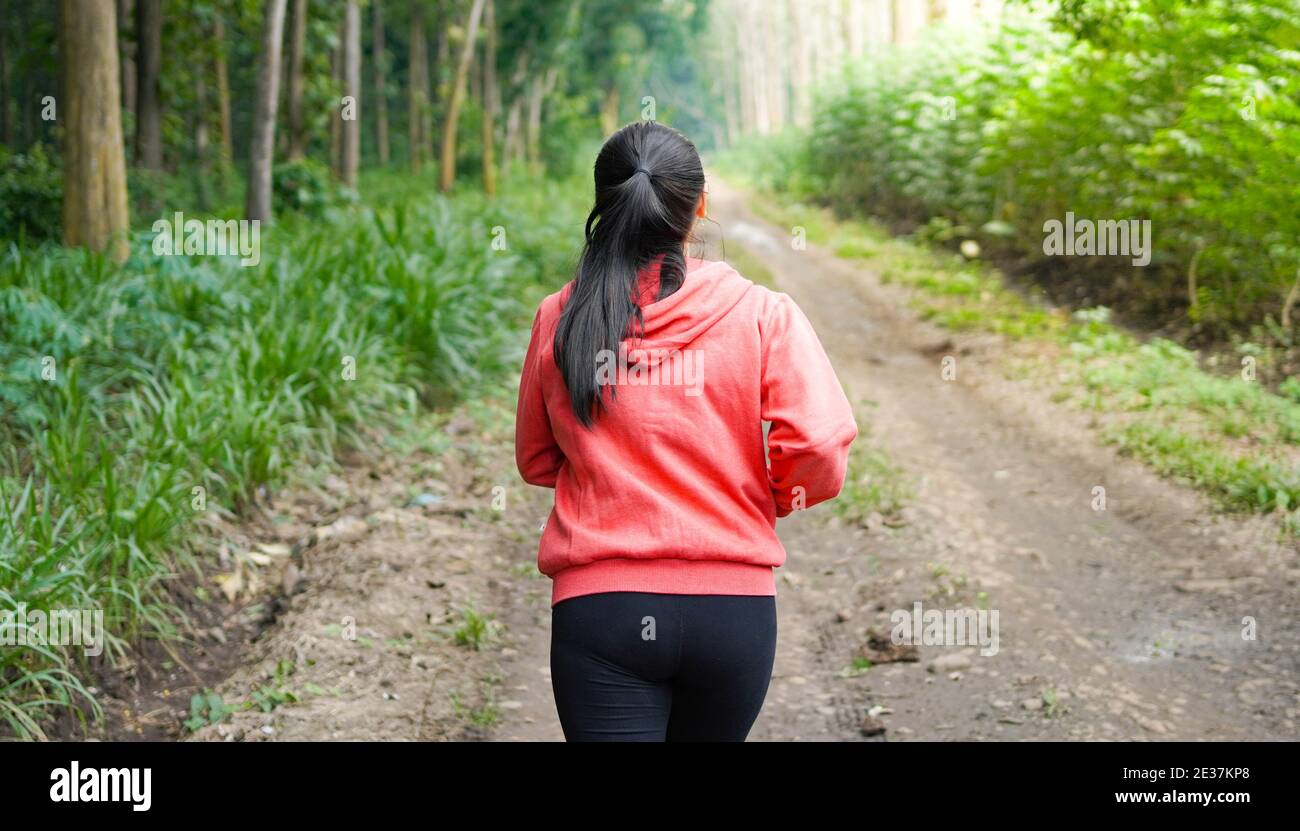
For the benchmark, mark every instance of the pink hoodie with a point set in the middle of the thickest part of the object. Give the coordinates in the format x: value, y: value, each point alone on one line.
x: 672, y: 491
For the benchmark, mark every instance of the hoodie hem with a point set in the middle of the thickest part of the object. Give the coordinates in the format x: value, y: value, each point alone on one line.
x: 663, y: 576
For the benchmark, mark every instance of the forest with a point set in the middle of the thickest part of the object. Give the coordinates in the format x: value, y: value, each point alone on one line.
x: 247, y: 243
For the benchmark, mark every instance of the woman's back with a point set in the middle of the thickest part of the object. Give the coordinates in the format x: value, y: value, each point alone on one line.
x: 669, y: 490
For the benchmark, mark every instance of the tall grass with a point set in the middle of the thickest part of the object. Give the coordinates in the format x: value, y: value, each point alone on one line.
x: 124, y: 389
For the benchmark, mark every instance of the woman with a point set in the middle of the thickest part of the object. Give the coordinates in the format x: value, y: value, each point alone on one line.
x: 642, y: 402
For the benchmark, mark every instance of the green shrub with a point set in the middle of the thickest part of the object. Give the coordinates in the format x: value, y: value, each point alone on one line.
x: 306, y: 186
x: 31, y: 195
x: 1186, y: 114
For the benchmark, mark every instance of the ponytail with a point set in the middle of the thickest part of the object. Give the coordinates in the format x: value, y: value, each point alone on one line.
x: 648, y: 183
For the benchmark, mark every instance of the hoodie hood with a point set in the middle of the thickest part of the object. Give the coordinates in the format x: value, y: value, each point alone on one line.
x: 709, y: 292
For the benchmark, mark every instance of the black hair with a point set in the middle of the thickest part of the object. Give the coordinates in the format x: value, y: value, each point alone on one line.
x: 648, y: 182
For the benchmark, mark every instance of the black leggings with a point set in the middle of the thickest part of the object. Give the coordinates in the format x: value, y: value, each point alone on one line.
x: 631, y: 666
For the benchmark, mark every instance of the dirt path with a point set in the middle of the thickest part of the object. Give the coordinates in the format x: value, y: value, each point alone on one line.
x: 1120, y: 623
x: 1123, y: 623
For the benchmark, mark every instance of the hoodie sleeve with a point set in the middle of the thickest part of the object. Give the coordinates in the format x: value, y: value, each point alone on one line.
x: 812, y: 422
x: 537, y: 454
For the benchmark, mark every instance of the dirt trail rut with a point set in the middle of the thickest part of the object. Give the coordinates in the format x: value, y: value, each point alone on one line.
x: 1123, y: 623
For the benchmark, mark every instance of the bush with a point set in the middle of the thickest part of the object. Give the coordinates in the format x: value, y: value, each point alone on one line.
x: 31, y: 195
x: 1187, y: 114
x: 306, y: 186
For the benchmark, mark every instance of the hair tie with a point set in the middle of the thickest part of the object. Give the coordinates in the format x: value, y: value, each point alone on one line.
x: 644, y: 170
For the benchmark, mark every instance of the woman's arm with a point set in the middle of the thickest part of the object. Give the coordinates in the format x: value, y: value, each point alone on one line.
x: 537, y: 454
x: 812, y: 422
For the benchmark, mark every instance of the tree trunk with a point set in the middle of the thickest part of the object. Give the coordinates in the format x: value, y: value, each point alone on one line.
x: 880, y: 26
x: 802, y: 65
x: 417, y: 85
x: 726, y: 73
x: 511, y: 146
x: 474, y: 87
x: 533, y: 124
x: 744, y: 78
x: 731, y: 107
x: 447, y: 171
x: 609, y: 109
x: 201, y: 141
x: 910, y: 17
x: 538, y: 90
x: 436, y: 90
x: 94, y: 169
x: 489, y: 99
x: 223, y: 98
x: 262, y: 148
x: 855, y: 26
x: 26, y: 106
x: 126, y: 53
x: 381, y: 93
x: 754, y: 73
x: 773, y: 69
x: 148, y: 128
x: 297, y: 47
x: 512, y: 149
x: 201, y: 123
x: 336, y: 125
x: 350, y: 158
x: 6, y: 123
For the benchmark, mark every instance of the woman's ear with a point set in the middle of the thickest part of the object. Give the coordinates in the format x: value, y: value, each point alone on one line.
x: 702, y: 209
